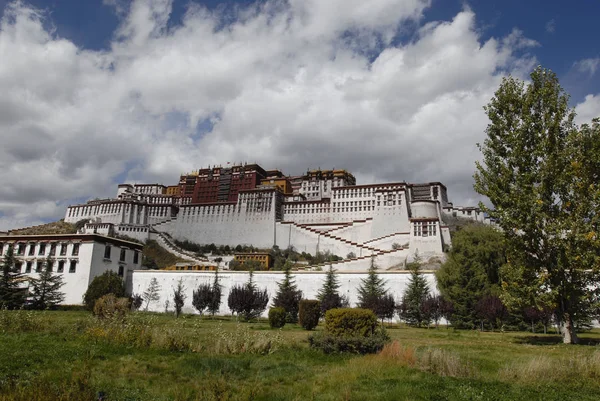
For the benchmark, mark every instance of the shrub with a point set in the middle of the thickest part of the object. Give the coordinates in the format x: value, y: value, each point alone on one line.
x: 350, y: 322
x: 107, y: 283
x: 111, y: 307
x: 277, y: 318
x: 352, y: 344
x: 136, y: 301
x: 309, y: 313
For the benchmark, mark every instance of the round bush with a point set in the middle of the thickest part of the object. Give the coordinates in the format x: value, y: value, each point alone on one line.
x: 350, y: 322
x: 107, y: 283
x: 309, y: 313
x: 111, y: 307
x: 277, y: 318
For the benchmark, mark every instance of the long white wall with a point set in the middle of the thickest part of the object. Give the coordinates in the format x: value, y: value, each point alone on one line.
x: 308, y: 282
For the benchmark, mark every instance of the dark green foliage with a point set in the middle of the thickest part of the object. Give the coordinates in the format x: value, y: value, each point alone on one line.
x: 328, y: 294
x: 355, y: 345
x: 309, y: 312
x: 350, y: 322
x: 107, y: 283
x: 277, y: 318
x: 288, y: 296
x: 414, y: 297
x: 540, y: 172
x: 179, y: 297
x: 201, y: 297
x: 247, y: 301
x: 436, y: 307
x: 136, y: 301
x: 208, y: 296
x: 350, y: 330
x: 247, y: 265
x: 372, y: 294
x: 45, y: 290
x: 471, y: 271
x: 12, y: 294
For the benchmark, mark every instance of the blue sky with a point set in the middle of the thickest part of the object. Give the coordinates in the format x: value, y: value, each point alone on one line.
x: 95, y: 93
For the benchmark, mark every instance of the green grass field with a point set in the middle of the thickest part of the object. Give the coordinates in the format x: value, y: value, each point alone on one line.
x: 70, y: 356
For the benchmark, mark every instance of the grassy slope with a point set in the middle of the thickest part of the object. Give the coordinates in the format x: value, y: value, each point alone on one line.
x: 57, y: 227
x: 62, y: 356
x: 160, y: 255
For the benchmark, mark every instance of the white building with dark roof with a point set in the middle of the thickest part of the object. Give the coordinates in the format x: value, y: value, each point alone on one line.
x: 78, y: 258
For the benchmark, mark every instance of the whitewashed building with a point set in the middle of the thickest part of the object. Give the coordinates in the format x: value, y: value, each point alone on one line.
x: 78, y: 258
x: 392, y: 222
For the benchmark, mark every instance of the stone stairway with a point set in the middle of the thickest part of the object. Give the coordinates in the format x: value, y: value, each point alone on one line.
x: 166, y: 242
x: 327, y: 234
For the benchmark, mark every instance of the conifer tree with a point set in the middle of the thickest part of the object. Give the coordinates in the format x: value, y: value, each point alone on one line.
x: 246, y: 300
x: 415, y: 295
x: 179, y: 297
x: 372, y: 291
x: 215, y: 300
x: 288, y: 295
x: 12, y: 294
x: 45, y: 292
x: 328, y: 295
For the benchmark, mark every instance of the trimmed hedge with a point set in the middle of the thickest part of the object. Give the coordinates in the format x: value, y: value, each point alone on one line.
x: 277, y: 318
x: 309, y: 312
x: 350, y: 322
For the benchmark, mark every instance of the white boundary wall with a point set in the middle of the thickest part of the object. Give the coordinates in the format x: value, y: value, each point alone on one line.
x: 308, y: 282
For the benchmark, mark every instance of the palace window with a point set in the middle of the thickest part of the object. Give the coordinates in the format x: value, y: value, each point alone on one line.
x: 121, y: 271
x: 49, y: 266
x: 75, y: 251
x: 31, y: 249
x: 28, y: 267
x: 42, y: 249
x: 63, y: 249
x: 18, y: 266
x: 122, y: 255
x: 52, y: 249
x: 136, y: 257
x: 418, y: 229
x: 61, y: 266
x: 72, y: 266
x: 107, y: 252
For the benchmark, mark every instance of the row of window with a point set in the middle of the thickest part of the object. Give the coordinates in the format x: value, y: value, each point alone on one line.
x: 29, y: 249
x: 122, y: 254
x: 27, y: 267
x: 425, y: 229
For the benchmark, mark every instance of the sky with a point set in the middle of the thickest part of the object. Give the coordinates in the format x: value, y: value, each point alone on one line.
x: 99, y: 92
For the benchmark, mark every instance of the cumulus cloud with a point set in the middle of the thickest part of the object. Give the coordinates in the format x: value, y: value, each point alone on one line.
x: 588, y: 109
x: 588, y: 65
x: 291, y: 85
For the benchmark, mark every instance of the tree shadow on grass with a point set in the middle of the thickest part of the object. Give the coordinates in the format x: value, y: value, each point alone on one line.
x: 553, y: 340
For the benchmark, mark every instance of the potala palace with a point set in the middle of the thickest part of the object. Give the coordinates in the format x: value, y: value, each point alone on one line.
x: 320, y: 211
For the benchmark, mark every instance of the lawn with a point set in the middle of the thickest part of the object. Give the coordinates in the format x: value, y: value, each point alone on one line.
x: 70, y: 356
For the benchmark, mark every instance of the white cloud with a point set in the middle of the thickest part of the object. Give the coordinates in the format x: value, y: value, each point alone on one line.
x: 551, y: 26
x: 289, y: 85
x: 588, y: 109
x: 588, y: 65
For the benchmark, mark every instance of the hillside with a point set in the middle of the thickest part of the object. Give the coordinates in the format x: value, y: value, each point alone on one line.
x: 56, y: 227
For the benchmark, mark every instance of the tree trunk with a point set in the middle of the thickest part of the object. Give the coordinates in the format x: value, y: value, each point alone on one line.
x: 567, y: 329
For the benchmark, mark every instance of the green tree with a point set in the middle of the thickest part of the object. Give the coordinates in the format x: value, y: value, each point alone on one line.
x: 208, y: 296
x: 288, y: 295
x: 152, y: 293
x: 45, y: 290
x: 372, y: 292
x: 328, y: 294
x: 108, y: 282
x: 179, y: 297
x: 415, y: 296
x: 12, y: 293
x: 471, y: 271
x: 247, y: 300
x: 540, y: 172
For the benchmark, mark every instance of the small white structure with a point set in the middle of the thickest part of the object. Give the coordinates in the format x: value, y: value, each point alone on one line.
x: 78, y: 258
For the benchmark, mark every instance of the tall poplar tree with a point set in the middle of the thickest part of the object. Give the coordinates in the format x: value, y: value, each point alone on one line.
x: 541, y: 172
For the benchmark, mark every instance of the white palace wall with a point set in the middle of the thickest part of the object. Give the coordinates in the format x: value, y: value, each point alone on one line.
x: 308, y: 282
